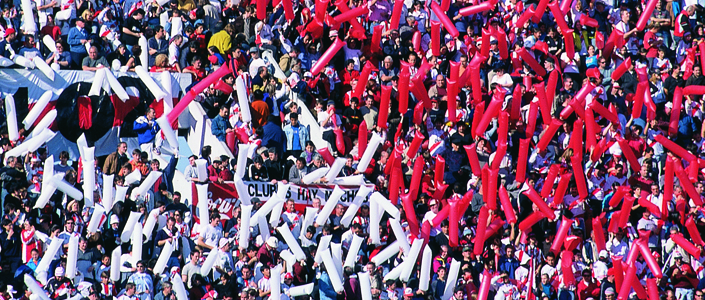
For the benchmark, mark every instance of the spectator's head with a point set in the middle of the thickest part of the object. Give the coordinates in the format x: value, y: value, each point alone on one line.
x: 214, y: 219
x: 310, y: 147
x: 59, y: 273
x: 138, y: 14
x: 272, y: 243
x: 294, y: 118
x: 441, y: 272
x: 625, y: 14
x: 177, y: 40
x: 690, y: 9
x: 150, y: 113
x: 300, y: 163
x: 80, y: 22
x: 258, y: 95
x: 64, y: 157
x: 159, y: 32
x: 316, y: 203
x: 317, y: 160
x: 161, y: 61
x: 388, y: 62
x: 254, y: 52
x: 549, y: 63
x: 224, y: 111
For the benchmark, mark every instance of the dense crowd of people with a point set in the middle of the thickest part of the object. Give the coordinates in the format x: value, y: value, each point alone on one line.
x: 522, y: 150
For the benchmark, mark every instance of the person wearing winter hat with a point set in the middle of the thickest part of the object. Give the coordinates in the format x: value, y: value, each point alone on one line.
x: 60, y: 287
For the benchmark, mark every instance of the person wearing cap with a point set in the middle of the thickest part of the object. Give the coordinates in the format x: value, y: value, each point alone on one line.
x: 550, y: 64
x: 268, y: 254
x: 77, y: 39
x: 682, y: 275
x: 656, y: 87
x: 111, y: 236
x: 434, y: 208
x: 286, y: 285
x: 59, y: 287
x: 256, y: 61
x: 409, y: 294
x: 599, y: 267
x: 224, y: 263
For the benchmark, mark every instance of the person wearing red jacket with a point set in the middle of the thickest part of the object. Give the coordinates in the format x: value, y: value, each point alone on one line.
x: 213, y: 172
x: 588, y: 287
x: 682, y: 276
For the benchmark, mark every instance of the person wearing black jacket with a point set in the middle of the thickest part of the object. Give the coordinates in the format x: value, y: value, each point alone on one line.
x: 275, y: 167
x: 629, y: 81
x: 352, y: 116
x: 257, y: 170
x: 133, y: 29
x: 11, y: 245
x: 393, y: 47
x: 675, y: 79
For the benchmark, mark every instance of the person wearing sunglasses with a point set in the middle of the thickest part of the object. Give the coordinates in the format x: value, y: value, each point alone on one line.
x: 142, y: 281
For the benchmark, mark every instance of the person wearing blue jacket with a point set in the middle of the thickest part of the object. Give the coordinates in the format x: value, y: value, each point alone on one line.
x: 146, y: 128
x: 220, y: 126
x: 77, y: 39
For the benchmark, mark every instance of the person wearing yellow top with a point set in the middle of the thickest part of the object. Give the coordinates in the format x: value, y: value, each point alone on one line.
x: 223, y: 39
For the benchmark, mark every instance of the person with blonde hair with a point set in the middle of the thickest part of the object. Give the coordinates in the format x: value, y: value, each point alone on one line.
x: 161, y: 64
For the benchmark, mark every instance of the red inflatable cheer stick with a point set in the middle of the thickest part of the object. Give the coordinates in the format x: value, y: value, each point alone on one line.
x: 327, y: 56
x: 621, y: 69
x: 443, y: 17
x: 646, y: 14
x: 507, y: 205
x: 476, y: 9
